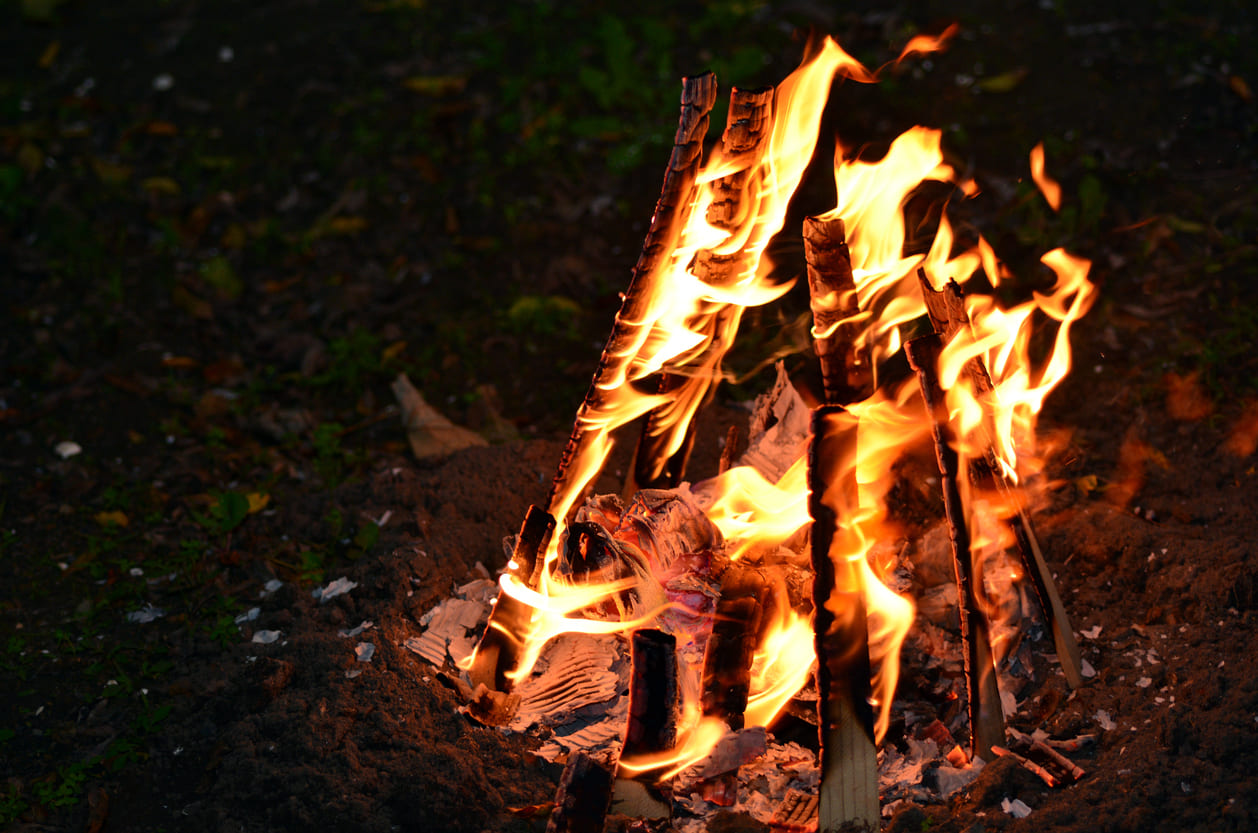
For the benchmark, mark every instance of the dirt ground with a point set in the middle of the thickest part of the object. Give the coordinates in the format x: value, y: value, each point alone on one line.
x: 225, y: 228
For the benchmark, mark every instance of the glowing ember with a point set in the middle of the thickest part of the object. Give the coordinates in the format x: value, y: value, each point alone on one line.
x: 613, y: 569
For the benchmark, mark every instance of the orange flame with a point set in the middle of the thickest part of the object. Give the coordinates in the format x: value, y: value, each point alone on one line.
x: 994, y: 390
x: 1048, y: 187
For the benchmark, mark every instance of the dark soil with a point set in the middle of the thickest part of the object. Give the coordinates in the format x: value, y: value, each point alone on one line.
x: 225, y: 227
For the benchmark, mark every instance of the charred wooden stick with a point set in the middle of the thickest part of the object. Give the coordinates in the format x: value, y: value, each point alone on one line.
x: 948, y: 316
x: 654, y: 696
x: 585, y: 791
x: 656, y: 465
x: 987, y: 723
x: 731, y: 648
x: 497, y: 654
x: 845, y: 370
x: 848, y: 793
x: 675, y: 203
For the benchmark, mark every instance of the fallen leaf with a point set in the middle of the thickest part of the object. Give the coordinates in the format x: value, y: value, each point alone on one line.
x: 161, y: 185
x: 180, y: 362
x: 1240, y: 87
x: 111, y: 173
x: 115, y: 517
x: 436, y: 84
x: 49, y: 54
x: 430, y: 434
x: 218, y: 273
x: 346, y: 225
x: 191, y: 304
x: 1243, y: 439
x: 1003, y: 83
x: 257, y: 501
x: 30, y: 158
x: 234, y: 237
x: 392, y: 351
x: 161, y: 128
x: 1186, y: 398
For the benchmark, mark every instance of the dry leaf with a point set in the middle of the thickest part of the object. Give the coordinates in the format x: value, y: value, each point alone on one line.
x: 1003, y: 83
x: 430, y: 434
x: 49, y: 54
x: 115, y: 517
x: 436, y: 84
x: 257, y: 501
x: 1244, y: 437
x: 1186, y: 398
x: 160, y: 185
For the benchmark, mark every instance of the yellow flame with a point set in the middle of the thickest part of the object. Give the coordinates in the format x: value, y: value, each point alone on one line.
x: 994, y: 389
x: 1047, y: 185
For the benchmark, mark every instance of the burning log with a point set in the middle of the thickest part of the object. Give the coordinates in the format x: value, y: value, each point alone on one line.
x: 731, y: 647
x: 946, y: 309
x: 654, y: 707
x: 496, y: 655
x: 654, y: 696
x: 987, y: 724
x: 585, y: 791
x: 676, y: 197
x: 845, y: 370
x: 848, y: 794
x: 663, y: 450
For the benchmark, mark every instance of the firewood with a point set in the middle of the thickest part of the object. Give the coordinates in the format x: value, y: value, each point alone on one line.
x: 948, y: 316
x: 845, y: 370
x: 497, y: 653
x: 654, y: 707
x: 987, y: 724
x: 744, y: 139
x: 731, y: 647
x: 848, y: 793
x: 585, y: 791
x: 654, y: 696
x: 671, y: 212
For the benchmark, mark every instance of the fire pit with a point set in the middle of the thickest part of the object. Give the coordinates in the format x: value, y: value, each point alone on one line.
x: 652, y: 638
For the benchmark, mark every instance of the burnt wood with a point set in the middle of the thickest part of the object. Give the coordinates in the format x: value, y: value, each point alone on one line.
x: 585, y: 791
x: 671, y: 211
x: 848, y: 793
x: 731, y: 647
x: 497, y: 654
x: 744, y: 140
x: 654, y: 696
x: 986, y: 718
x: 948, y: 317
x: 845, y: 371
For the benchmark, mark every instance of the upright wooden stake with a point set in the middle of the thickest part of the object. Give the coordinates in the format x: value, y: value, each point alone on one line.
x: 698, y: 94
x: 987, y: 722
x: 845, y: 369
x: 848, y: 794
x: 946, y: 309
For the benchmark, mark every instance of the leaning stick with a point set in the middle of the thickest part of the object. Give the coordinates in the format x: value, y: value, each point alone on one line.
x: 848, y: 793
x: 987, y: 724
x: 745, y: 137
x: 845, y: 371
x: 698, y: 94
x: 948, y: 316
x: 497, y: 654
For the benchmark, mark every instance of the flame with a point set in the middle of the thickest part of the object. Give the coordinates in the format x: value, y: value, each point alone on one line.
x: 1047, y: 185
x: 925, y: 44
x: 994, y: 384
